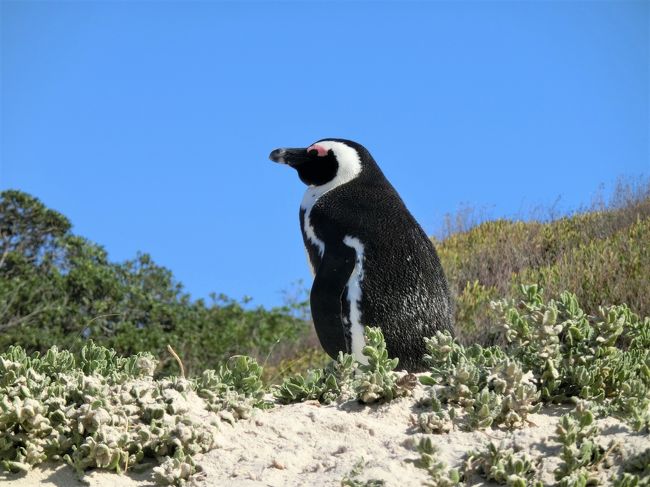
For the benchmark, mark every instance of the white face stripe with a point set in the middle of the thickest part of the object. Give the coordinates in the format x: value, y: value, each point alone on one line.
x: 349, y: 168
x: 354, y: 298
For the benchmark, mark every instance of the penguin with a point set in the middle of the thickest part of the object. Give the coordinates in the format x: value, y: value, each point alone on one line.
x: 373, y: 264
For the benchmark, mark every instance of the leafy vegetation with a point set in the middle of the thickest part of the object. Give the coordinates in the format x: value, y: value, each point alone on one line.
x: 234, y: 389
x: 346, y: 378
x: 324, y: 384
x: 59, y: 288
x: 598, y: 255
x: 440, y: 474
x: 60, y: 406
x: 555, y: 353
x: 603, y: 358
x: 116, y: 407
x: 580, y: 452
x: 483, y: 386
x: 504, y: 466
x: 102, y: 410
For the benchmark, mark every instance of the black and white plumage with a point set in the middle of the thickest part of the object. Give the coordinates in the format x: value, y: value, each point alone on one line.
x: 373, y: 264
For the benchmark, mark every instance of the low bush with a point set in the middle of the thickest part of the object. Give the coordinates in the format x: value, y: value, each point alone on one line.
x: 599, y: 254
x: 99, y: 409
x: 555, y: 353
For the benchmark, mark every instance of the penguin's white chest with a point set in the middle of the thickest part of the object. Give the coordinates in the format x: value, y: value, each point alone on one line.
x: 308, y: 202
x: 354, y: 294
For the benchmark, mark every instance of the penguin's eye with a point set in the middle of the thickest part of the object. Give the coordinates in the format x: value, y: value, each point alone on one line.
x: 319, y: 150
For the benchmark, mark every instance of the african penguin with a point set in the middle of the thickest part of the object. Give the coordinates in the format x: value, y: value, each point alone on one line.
x: 373, y: 264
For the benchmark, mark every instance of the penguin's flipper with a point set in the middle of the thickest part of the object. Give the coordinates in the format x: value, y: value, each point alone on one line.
x: 331, y: 278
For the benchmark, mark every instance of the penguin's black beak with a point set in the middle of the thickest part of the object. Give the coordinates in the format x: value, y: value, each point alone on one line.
x: 291, y: 157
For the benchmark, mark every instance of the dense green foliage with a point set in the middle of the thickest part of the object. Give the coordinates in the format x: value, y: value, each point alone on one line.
x: 603, y: 357
x: 58, y: 288
x: 599, y: 255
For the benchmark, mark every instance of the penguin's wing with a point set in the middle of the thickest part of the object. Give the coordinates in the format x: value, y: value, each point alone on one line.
x: 331, y: 278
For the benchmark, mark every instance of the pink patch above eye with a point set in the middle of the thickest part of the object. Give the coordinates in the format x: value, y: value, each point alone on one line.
x: 320, y: 150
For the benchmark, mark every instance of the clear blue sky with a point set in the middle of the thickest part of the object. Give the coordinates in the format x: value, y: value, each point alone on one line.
x: 149, y: 123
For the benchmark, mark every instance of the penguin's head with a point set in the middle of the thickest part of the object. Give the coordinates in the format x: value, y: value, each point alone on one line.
x: 326, y: 162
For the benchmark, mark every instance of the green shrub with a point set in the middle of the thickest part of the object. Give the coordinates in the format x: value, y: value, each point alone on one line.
x: 56, y: 287
x: 555, y: 352
x: 345, y: 378
x: 598, y: 255
x: 573, y: 354
x: 504, y: 466
x: 440, y: 475
x: 581, y: 454
x: 482, y: 386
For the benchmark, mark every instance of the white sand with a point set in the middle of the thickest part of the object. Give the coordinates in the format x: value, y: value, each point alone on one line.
x: 311, y: 444
x: 59, y: 475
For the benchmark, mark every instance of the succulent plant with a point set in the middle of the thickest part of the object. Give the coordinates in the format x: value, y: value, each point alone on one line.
x: 490, y: 388
x: 573, y: 354
x: 351, y: 480
x: 440, y: 475
x: 377, y: 380
x: 176, y: 470
x: 100, y: 410
x: 435, y: 421
x: 334, y: 382
x: 503, y: 466
x: 234, y: 389
x: 581, y: 453
x: 345, y: 378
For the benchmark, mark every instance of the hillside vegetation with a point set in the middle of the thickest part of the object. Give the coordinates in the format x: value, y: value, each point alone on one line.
x: 552, y: 328
x: 59, y: 288
x: 601, y: 255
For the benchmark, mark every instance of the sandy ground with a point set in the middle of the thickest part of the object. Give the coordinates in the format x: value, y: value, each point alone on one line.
x: 58, y: 475
x: 316, y: 445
